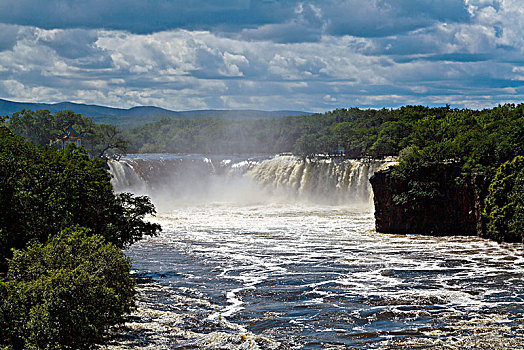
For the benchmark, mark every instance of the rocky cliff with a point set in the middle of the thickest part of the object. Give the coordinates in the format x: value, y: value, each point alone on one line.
x: 451, y: 208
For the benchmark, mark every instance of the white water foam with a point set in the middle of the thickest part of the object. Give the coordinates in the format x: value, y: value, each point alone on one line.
x: 298, y: 274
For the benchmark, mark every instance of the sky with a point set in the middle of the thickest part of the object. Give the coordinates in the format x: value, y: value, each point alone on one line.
x: 314, y: 55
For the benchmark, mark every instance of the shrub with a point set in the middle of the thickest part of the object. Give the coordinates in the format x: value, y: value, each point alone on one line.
x: 64, y: 294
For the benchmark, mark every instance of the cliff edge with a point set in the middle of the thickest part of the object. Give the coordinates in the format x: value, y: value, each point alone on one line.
x: 445, y: 206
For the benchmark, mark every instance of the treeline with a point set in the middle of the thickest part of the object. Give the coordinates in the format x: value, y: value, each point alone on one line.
x: 352, y: 129
x: 44, y: 129
x: 479, y: 138
x: 373, y: 133
x: 370, y: 133
x: 64, y: 279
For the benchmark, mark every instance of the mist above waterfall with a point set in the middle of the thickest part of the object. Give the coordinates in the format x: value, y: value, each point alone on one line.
x: 176, y: 180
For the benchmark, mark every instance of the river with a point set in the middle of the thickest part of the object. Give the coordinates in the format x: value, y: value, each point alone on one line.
x: 282, y: 253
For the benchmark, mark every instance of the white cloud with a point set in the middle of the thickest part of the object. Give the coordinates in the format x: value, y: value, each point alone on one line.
x: 328, y: 98
x: 305, y: 61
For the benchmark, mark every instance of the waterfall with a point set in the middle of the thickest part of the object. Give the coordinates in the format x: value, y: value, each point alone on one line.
x: 331, y: 180
x: 193, y: 178
x: 125, y: 178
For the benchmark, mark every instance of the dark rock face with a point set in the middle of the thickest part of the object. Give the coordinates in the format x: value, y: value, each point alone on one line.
x: 455, y: 210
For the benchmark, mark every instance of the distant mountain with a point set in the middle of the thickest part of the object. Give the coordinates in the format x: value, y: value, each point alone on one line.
x: 136, y: 116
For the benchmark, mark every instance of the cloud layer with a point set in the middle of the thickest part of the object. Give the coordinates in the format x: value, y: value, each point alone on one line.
x: 314, y: 55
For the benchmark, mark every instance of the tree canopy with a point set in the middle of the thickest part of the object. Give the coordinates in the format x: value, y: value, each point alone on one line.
x: 43, y: 128
x: 505, y: 202
x: 43, y: 191
x: 443, y: 132
x: 64, y: 294
x: 61, y: 230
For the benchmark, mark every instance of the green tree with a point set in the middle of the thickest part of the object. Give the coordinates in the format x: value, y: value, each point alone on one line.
x: 390, y: 139
x: 43, y: 191
x: 306, y: 145
x: 107, y: 141
x: 44, y: 129
x: 33, y: 126
x: 64, y: 294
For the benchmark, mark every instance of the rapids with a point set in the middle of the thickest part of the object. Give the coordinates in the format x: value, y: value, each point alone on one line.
x: 281, y: 253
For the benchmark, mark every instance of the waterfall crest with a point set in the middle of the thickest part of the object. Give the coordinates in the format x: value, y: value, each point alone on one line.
x: 125, y: 178
x: 190, y: 179
x: 331, y: 180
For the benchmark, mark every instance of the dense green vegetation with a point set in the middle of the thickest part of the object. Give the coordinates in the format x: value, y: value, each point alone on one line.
x: 64, y: 294
x: 478, y: 140
x: 373, y: 133
x: 505, y: 202
x: 44, y: 129
x: 43, y: 191
x: 61, y: 230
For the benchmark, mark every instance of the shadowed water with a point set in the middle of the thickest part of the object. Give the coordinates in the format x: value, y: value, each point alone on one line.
x: 275, y: 274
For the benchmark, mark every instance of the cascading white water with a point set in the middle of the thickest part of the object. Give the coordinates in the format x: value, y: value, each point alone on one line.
x: 281, y: 178
x: 125, y: 178
x: 333, y: 181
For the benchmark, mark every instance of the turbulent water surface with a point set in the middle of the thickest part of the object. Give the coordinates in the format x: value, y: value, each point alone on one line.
x: 282, y: 254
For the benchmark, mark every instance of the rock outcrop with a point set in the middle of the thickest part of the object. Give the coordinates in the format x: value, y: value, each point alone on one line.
x: 453, y: 209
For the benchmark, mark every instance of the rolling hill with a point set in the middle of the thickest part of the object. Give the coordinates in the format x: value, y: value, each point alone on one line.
x: 136, y: 116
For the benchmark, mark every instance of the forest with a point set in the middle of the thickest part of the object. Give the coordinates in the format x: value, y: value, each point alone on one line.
x: 44, y: 129
x: 478, y: 139
x: 459, y: 133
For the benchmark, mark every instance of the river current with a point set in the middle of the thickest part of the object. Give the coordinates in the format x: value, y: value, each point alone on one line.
x: 282, y: 254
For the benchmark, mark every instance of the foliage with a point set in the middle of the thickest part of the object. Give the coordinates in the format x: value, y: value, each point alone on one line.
x: 477, y: 139
x: 43, y: 191
x: 64, y: 294
x: 505, y: 202
x: 106, y: 141
x: 473, y: 141
x: 65, y: 286
x: 391, y: 138
x: 304, y: 135
x: 44, y: 129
